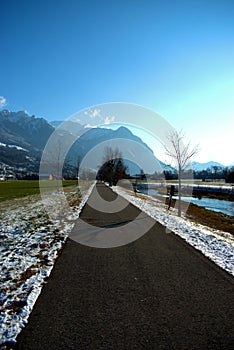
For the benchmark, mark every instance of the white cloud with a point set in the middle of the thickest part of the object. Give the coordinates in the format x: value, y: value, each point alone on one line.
x: 93, y: 113
x: 109, y: 120
x: 3, y: 101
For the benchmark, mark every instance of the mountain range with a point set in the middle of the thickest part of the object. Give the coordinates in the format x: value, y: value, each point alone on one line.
x: 23, y: 139
x: 208, y: 165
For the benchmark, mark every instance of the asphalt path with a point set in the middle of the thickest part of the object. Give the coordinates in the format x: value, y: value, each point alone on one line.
x: 154, y: 293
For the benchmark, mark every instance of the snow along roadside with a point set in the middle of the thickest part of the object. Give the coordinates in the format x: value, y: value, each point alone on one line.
x: 29, y: 246
x: 218, y: 246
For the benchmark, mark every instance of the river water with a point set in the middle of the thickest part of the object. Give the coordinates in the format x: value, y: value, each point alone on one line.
x: 218, y: 205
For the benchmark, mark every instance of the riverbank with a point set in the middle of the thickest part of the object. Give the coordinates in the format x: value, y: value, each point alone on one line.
x: 197, y: 213
x: 203, y: 216
x: 200, y: 215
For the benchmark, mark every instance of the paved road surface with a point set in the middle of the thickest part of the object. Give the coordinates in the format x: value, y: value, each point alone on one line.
x: 154, y: 293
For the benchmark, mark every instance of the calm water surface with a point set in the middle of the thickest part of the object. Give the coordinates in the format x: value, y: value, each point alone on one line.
x: 217, y: 205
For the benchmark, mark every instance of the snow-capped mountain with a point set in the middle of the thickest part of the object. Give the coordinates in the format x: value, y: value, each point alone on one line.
x: 22, y: 130
x: 23, y: 138
x: 204, y: 166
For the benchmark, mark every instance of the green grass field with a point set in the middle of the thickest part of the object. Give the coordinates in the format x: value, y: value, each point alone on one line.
x: 22, y: 188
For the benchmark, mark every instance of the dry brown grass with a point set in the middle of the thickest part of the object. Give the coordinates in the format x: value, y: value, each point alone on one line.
x: 218, y: 221
x: 211, y: 218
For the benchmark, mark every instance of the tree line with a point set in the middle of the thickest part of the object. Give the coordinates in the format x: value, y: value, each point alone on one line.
x: 210, y: 174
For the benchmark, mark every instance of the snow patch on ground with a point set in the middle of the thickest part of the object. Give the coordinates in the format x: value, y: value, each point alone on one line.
x: 216, y: 245
x: 29, y: 245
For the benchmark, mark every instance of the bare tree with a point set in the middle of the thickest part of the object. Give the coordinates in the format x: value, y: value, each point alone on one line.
x: 77, y: 168
x: 111, y: 154
x: 113, y: 167
x: 53, y: 161
x: 180, y: 154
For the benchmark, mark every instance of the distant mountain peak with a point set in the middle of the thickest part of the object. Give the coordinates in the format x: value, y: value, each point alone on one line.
x: 197, y: 166
x: 24, y: 132
x: 123, y: 129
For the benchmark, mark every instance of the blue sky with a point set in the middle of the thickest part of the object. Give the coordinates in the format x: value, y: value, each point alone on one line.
x: 175, y: 57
